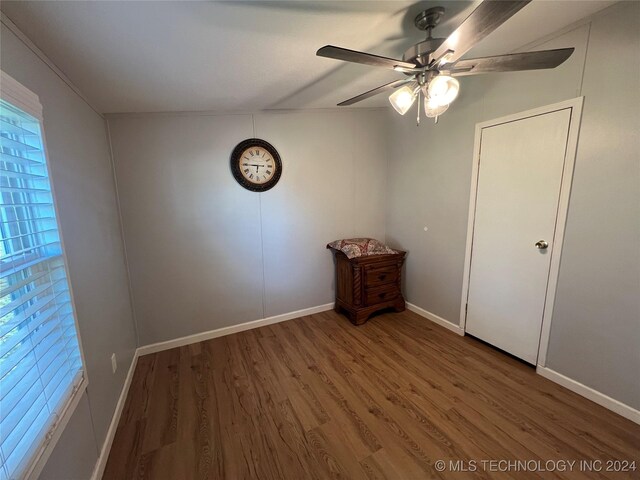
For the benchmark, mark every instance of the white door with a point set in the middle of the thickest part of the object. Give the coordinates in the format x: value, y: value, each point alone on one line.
x: 519, y: 179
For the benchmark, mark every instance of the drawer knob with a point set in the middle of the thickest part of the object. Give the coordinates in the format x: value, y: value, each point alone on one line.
x: 382, y: 277
x: 382, y: 295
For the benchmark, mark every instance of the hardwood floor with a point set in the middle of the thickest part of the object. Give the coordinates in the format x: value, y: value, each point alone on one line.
x: 317, y: 398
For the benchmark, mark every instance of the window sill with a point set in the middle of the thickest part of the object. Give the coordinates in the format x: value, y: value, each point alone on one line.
x: 40, y: 459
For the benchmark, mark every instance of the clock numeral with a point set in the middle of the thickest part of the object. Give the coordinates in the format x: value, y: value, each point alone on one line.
x: 268, y: 172
x: 245, y: 164
x: 247, y: 158
x: 251, y: 176
x: 246, y: 170
x: 257, y: 152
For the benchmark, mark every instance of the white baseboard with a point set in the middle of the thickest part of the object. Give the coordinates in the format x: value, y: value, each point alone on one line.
x: 436, y: 319
x: 98, y: 470
x: 595, y: 396
x: 221, y: 332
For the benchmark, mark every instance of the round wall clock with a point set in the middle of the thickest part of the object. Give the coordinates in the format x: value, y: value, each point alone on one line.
x: 256, y: 165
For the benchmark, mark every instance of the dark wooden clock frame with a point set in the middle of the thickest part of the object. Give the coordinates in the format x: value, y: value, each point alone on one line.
x: 235, y: 164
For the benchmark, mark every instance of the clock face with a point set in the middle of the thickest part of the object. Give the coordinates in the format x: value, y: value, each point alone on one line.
x: 256, y: 165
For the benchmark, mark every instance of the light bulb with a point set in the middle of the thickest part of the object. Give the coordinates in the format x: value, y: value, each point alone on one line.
x: 432, y: 110
x: 442, y: 90
x: 402, y: 99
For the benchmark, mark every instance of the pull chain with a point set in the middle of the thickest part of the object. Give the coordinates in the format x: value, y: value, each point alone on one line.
x: 419, y: 104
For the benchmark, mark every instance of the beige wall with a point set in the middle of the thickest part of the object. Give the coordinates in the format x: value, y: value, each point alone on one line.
x: 82, y: 175
x: 596, y: 323
x: 595, y: 334
x: 205, y: 253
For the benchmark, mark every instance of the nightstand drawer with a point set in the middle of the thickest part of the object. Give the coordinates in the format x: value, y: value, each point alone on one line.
x: 381, y: 275
x: 382, y: 294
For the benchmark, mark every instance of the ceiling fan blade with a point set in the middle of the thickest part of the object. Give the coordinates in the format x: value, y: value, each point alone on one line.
x: 376, y: 91
x: 489, y: 15
x: 354, y: 56
x: 510, y: 63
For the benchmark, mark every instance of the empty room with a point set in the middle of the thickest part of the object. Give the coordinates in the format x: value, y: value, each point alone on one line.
x: 319, y: 239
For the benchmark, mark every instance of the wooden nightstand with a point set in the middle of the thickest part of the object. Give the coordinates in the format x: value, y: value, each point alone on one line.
x: 367, y: 284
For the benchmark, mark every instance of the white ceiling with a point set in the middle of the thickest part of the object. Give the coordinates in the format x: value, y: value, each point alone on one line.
x: 130, y: 56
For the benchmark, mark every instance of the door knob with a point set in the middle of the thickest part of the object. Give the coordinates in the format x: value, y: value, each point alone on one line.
x: 542, y: 245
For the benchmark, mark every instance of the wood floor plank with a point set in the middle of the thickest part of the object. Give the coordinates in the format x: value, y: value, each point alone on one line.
x: 401, y: 417
x: 381, y: 466
x: 316, y: 467
x: 348, y: 409
x: 162, y: 412
x: 268, y: 415
x: 132, y: 424
x: 317, y: 398
x: 300, y: 394
x: 127, y: 451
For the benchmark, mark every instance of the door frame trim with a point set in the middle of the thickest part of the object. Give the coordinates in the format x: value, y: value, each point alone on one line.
x: 575, y: 105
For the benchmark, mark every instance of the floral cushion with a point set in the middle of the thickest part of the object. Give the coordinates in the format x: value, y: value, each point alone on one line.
x: 361, y: 247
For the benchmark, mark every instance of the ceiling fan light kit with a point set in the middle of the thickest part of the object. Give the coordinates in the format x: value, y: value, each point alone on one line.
x: 433, y: 63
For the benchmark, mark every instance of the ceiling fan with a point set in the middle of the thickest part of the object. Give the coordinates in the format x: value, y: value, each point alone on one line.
x: 432, y: 65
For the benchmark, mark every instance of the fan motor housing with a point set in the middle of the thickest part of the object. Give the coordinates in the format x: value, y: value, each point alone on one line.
x: 419, y: 53
x: 425, y: 21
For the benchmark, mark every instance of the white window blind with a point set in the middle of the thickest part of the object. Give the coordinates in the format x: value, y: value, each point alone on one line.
x: 40, y: 361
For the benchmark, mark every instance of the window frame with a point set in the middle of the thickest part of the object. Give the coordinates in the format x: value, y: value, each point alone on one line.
x: 20, y: 96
